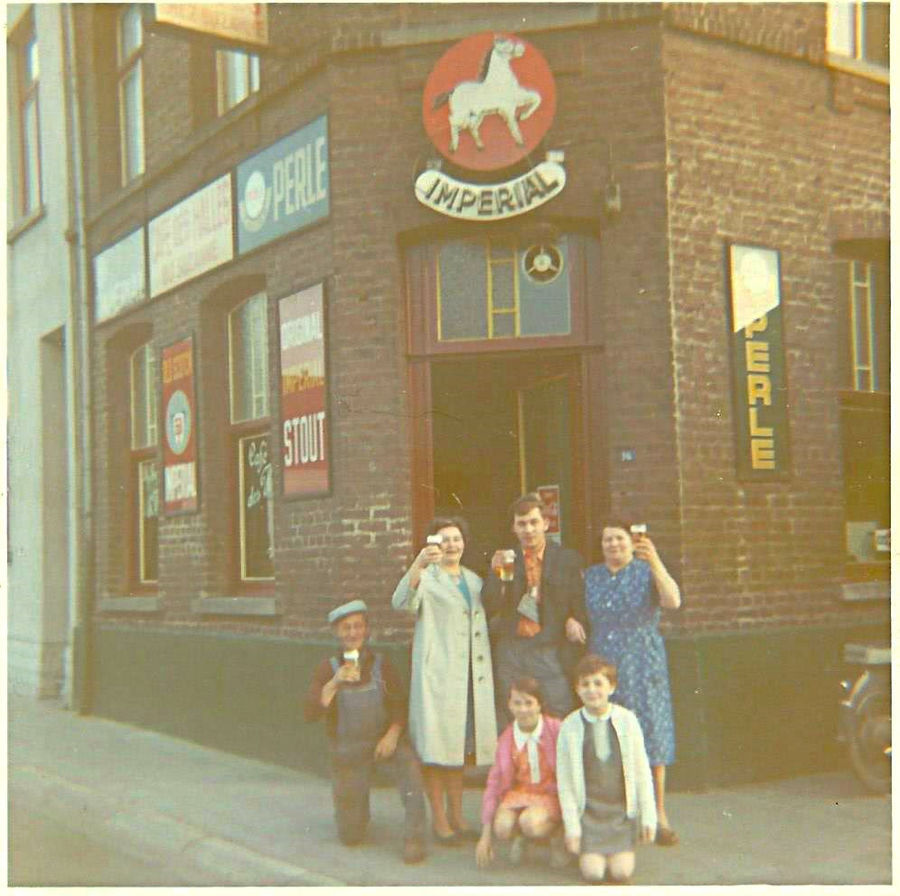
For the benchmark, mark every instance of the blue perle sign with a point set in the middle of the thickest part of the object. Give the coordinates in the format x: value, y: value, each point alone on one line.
x: 285, y: 187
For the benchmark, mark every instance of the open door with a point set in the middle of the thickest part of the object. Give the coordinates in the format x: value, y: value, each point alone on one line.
x: 545, y: 449
x: 501, y: 427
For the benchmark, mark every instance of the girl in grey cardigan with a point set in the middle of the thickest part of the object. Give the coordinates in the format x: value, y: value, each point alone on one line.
x: 603, y: 778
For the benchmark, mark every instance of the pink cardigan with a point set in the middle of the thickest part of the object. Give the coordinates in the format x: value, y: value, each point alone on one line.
x: 502, y: 775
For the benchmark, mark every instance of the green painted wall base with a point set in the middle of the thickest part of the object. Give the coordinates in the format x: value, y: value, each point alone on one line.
x: 748, y: 707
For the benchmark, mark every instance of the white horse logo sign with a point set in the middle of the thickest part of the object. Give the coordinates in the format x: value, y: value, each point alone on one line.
x: 506, y: 105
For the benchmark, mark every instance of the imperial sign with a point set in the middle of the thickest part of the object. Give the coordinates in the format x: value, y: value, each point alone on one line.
x: 487, y: 104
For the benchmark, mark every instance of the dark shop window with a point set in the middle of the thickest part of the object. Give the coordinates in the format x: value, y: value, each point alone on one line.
x: 144, y: 465
x: 865, y: 412
x: 248, y: 373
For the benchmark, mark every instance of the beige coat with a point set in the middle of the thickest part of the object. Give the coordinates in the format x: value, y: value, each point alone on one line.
x: 448, y: 638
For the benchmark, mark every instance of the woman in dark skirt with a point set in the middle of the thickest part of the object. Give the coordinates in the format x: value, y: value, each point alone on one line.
x: 603, y: 778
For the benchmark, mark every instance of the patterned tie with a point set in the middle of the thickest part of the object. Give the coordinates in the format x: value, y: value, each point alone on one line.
x: 528, y: 628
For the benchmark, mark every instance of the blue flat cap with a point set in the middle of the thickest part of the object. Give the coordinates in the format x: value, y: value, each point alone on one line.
x: 353, y: 606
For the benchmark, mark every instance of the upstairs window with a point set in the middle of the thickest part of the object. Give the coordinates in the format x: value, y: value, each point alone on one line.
x: 144, y: 465
x: 25, y: 145
x: 249, y: 353
x: 860, y: 32
x: 237, y: 76
x: 130, y: 87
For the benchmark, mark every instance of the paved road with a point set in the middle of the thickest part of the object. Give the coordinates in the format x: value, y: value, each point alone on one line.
x: 138, y: 794
x: 50, y: 852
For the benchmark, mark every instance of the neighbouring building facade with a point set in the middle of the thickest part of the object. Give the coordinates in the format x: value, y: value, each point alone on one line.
x: 321, y: 313
x: 46, y: 336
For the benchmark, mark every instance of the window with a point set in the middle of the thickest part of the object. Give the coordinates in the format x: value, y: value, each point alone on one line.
x: 494, y: 289
x: 248, y: 362
x: 237, y: 76
x: 25, y: 147
x: 865, y: 411
x: 145, y: 468
x: 860, y: 31
x: 131, y: 101
x: 869, y: 326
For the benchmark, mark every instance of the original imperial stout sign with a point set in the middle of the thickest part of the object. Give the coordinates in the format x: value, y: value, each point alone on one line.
x: 487, y: 104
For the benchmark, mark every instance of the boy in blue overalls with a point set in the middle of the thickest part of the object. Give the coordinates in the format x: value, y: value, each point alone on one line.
x: 362, y: 699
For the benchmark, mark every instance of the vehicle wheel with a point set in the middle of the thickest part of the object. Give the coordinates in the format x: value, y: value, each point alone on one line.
x: 870, y: 744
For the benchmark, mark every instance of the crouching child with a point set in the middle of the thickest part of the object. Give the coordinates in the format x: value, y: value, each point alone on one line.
x: 603, y: 778
x: 520, y: 802
x: 360, y: 696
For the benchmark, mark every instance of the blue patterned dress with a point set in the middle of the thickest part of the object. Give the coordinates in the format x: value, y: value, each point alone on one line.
x: 623, y: 610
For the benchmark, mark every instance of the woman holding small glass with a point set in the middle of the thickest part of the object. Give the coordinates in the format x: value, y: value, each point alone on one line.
x: 451, y: 695
x: 624, y: 596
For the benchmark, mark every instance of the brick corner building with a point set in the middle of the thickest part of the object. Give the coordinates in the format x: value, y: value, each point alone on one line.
x: 321, y: 313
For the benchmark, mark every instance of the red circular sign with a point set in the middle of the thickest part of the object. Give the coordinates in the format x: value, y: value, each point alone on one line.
x: 489, y: 101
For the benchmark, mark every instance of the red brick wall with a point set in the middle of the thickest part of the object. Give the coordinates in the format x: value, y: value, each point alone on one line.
x: 710, y: 141
x: 759, y: 153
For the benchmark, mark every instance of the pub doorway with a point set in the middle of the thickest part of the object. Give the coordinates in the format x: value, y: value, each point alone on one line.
x: 502, y: 426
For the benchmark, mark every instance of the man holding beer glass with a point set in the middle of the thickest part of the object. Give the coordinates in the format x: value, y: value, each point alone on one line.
x: 536, y: 604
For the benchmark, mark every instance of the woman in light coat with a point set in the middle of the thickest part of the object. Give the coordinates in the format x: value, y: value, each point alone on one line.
x: 451, y: 700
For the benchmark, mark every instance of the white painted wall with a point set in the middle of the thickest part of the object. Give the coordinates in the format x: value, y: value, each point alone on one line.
x: 40, y: 425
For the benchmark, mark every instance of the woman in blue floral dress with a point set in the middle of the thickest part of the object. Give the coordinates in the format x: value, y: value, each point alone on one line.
x: 624, y: 595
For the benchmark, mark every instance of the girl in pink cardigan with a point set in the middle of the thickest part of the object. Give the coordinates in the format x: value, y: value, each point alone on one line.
x: 520, y: 798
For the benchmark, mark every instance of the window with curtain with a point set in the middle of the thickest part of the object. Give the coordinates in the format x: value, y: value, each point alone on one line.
x: 248, y: 353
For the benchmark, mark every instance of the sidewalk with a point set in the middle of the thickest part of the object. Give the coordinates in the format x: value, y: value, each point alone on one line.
x: 255, y: 824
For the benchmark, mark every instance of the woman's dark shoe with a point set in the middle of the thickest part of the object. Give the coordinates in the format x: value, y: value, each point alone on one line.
x: 666, y: 837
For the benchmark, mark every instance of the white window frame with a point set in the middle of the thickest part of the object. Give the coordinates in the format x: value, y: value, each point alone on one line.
x: 230, y: 93
x: 845, y: 38
x: 130, y: 68
x: 24, y: 54
x: 144, y: 357
x: 258, y: 361
x: 862, y: 292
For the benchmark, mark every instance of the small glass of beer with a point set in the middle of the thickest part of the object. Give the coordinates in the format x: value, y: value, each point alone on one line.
x: 506, y: 570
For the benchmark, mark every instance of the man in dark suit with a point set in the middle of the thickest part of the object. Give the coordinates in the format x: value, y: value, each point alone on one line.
x: 538, y: 618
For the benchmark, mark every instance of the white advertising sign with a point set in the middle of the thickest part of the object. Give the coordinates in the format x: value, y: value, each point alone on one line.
x: 754, y: 284
x: 192, y: 237
x: 119, y: 276
x: 490, y: 202
x: 246, y: 22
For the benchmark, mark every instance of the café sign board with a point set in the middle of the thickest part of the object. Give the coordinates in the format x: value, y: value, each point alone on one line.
x: 285, y: 187
x: 487, y: 105
x: 758, y: 371
x: 192, y: 237
x: 242, y: 22
x: 120, y: 276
